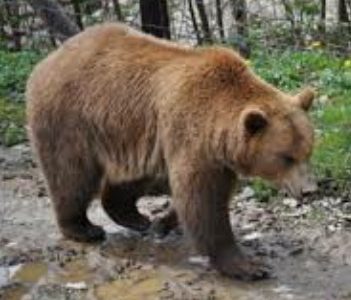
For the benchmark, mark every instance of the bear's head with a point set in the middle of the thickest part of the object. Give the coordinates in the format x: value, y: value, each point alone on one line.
x: 276, y: 140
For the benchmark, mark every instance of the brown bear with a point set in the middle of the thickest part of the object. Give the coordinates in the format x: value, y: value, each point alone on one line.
x: 122, y: 114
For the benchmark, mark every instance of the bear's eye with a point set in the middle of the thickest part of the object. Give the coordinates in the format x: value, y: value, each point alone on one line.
x: 288, y: 160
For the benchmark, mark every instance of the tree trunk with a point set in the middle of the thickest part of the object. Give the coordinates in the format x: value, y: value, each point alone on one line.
x: 240, y: 15
x: 55, y: 18
x: 13, y: 20
x: 154, y: 18
x: 2, y: 21
x: 295, y: 28
x: 343, y: 16
x: 321, y: 25
x: 323, y: 10
x: 219, y: 15
x: 193, y: 20
x: 117, y: 9
x: 204, y: 21
x: 78, y: 13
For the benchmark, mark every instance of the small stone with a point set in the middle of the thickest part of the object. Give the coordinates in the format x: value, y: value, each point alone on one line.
x: 347, y: 207
x: 347, y: 217
x: 77, y: 285
x: 41, y: 192
x: 296, y: 251
x: 290, y: 202
x: 199, y: 260
x: 246, y: 193
x: 252, y: 236
x: 331, y: 228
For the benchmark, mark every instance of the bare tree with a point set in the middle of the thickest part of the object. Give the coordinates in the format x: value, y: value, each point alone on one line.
x: 154, y: 18
x: 321, y: 25
x: 78, y: 13
x: 295, y: 28
x: 204, y: 21
x: 239, y: 9
x: 193, y: 20
x: 219, y: 15
x: 117, y: 9
x: 55, y: 18
x: 343, y: 16
x: 3, y: 33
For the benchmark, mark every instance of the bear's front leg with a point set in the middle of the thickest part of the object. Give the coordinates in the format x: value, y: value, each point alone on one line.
x: 201, y: 197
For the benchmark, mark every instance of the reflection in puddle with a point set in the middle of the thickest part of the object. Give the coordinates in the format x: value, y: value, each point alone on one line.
x: 140, y: 285
x: 75, y: 271
x: 31, y: 273
x: 17, y: 280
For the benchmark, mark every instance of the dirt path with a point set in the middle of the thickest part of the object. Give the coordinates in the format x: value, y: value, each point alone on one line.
x: 309, y: 247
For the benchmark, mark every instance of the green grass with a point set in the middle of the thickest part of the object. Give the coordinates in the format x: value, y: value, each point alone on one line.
x: 14, y: 70
x: 12, y: 118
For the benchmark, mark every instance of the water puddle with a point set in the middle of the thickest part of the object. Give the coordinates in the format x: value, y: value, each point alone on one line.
x: 30, y: 273
x: 139, y: 285
x: 17, y: 280
x: 76, y: 271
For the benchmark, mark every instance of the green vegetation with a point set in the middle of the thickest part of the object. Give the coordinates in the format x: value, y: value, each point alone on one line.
x: 11, y: 122
x: 290, y: 70
x: 14, y: 70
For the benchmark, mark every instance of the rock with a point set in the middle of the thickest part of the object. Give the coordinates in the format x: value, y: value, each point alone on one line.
x: 252, y: 236
x: 199, y: 260
x: 42, y: 192
x: 346, y: 217
x: 296, y: 251
x: 347, y: 207
x: 246, y: 193
x: 331, y: 228
x: 77, y: 285
x: 290, y: 202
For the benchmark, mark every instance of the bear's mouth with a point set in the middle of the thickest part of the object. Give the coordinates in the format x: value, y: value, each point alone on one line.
x: 300, y: 182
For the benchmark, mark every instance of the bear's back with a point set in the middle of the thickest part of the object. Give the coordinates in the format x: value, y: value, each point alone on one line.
x: 100, y: 62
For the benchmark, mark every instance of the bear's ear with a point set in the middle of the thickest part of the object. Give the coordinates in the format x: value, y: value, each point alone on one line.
x: 305, y: 98
x: 255, y: 120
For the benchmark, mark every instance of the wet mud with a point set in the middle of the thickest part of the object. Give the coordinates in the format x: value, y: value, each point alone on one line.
x: 308, y: 246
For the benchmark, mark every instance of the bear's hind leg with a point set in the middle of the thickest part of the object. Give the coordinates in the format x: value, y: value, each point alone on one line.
x: 73, y: 177
x: 71, y: 210
x: 119, y: 202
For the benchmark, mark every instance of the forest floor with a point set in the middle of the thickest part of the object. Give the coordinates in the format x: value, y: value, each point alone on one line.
x: 308, y: 245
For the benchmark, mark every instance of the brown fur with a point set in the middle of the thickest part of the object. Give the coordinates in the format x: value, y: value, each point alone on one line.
x: 128, y: 114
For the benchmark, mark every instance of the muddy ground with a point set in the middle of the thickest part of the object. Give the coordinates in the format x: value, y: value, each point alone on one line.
x: 308, y: 246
